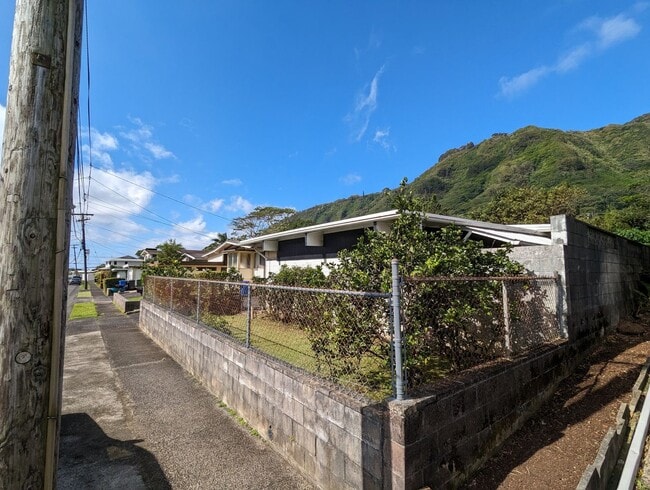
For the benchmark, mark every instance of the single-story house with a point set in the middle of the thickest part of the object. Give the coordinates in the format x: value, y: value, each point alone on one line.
x: 195, y: 260
x: 233, y: 255
x: 320, y: 244
x: 191, y: 259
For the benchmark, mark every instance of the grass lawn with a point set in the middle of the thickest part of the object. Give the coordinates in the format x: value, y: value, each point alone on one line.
x: 290, y: 344
x: 83, y: 310
x: 84, y: 294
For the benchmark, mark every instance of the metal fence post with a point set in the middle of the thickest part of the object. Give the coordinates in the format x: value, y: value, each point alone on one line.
x: 198, y: 301
x: 397, y: 332
x: 248, y: 314
x: 506, y: 318
x: 560, y: 305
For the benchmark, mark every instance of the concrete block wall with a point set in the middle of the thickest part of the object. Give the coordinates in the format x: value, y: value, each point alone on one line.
x: 125, y: 306
x: 547, y: 260
x: 438, y: 440
x: 602, y: 273
x: 336, y: 439
x: 339, y: 441
x: 598, y: 271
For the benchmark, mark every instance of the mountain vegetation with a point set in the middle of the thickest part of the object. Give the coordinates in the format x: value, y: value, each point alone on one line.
x: 601, y: 176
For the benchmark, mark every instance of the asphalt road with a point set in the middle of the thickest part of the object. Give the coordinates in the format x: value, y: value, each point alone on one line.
x: 133, y: 418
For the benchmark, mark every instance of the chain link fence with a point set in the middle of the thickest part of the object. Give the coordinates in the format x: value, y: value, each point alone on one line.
x: 341, y: 336
x: 455, y: 323
x: 444, y: 325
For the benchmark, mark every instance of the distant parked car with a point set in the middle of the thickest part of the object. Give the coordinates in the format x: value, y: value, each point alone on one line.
x: 76, y: 280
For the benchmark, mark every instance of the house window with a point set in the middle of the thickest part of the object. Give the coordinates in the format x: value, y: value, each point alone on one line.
x: 259, y: 261
x: 246, y: 261
x: 232, y: 260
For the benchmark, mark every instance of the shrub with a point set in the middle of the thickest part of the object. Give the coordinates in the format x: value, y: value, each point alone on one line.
x: 216, y: 322
x: 297, y: 307
x: 110, y: 282
x: 445, y: 324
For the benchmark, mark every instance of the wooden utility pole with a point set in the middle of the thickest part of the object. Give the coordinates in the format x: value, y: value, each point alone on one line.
x: 36, y: 176
x: 84, y: 217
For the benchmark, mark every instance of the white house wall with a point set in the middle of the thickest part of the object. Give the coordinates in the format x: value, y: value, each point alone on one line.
x: 274, y: 266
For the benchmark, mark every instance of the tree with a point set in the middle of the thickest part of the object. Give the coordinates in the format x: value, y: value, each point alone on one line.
x: 221, y: 238
x: 167, y: 262
x: 258, y: 220
x: 531, y: 204
x: 447, y: 325
x: 629, y: 218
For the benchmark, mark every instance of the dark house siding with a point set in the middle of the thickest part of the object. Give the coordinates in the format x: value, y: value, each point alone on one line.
x: 333, y: 242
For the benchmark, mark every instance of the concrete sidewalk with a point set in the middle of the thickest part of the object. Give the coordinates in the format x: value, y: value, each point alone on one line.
x: 133, y: 418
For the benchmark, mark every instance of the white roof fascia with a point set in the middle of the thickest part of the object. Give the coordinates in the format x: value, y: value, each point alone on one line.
x: 341, y: 225
x: 542, y: 228
x: 510, y: 237
x: 219, y: 249
x: 539, y: 230
x: 526, y: 233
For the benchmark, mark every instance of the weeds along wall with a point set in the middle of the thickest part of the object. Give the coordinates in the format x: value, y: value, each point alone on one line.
x: 335, y: 438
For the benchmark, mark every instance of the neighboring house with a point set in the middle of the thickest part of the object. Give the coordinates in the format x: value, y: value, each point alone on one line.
x: 195, y: 260
x: 233, y: 255
x: 320, y: 244
x: 192, y: 259
x: 127, y: 267
x: 148, y: 254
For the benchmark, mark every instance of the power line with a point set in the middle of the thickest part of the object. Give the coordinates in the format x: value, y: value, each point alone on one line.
x: 90, y: 140
x: 149, y: 211
x: 162, y: 195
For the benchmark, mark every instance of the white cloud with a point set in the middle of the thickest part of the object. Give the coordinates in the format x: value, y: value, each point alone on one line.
x: 374, y: 42
x: 192, y: 234
x: 602, y: 35
x: 233, y: 182
x: 239, y: 204
x: 364, y: 107
x: 116, y: 199
x: 120, y: 193
x: 215, y: 205
x: 159, y: 152
x: 382, y: 139
x: 350, y: 179
x: 509, y: 87
x: 573, y: 59
x: 141, y: 138
x: 612, y: 30
x: 103, y: 141
x: 102, y: 145
x: 3, y: 113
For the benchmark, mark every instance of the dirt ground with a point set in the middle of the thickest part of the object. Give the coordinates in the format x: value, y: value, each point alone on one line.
x: 554, y: 448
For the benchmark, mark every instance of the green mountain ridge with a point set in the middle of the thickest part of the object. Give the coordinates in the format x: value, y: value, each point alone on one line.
x: 610, y: 164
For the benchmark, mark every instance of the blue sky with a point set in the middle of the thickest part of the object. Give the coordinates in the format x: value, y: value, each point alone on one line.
x: 200, y: 112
